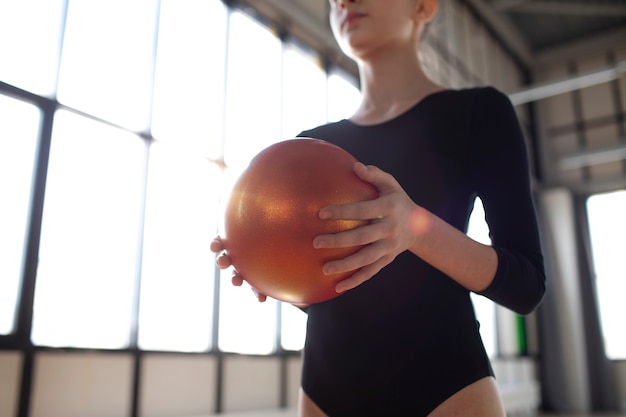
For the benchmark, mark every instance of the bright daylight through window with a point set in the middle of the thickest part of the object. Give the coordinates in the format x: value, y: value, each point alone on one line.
x: 18, y: 144
x: 607, y: 226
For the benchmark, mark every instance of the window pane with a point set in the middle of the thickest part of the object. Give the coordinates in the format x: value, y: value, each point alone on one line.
x: 252, y: 123
x: 106, y: 64
x: 189, y: 80
x: 343, y: 97
x: 245, y: 325
x: 178, y: 266
x: 18, y: 143
x: 607, y: 226
x: 485, y: 308
x: 304, y: 92
x: 252, y: 90
x: 30, y: 33
x: 293, y: 327
x: 87, y: 260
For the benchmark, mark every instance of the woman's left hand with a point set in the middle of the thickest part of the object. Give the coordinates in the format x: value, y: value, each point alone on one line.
x: 393, y: 228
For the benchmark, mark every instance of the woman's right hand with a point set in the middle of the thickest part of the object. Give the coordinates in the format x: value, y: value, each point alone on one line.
x: 223, y: 262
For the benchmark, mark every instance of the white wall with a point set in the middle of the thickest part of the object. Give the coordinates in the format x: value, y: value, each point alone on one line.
x: 99, y: 384
x: 177, y: 384
x: 10, y: 371
x: 81, y: 384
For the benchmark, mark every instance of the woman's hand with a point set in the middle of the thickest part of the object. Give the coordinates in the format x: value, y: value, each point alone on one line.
x: 223, y: 262
x: 395, y: 222
x: 398, y: 224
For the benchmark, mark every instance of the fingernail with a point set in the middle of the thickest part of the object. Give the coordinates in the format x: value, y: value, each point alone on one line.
x: 329, y: 270
x: 319, y: 243
x: 325, y: 214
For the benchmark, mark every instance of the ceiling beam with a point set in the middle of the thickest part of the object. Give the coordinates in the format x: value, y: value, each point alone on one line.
x: 564, y: 8
x: 568, y: 84
x: 591, y: 45
x: 598, y: 186
x: 590, y: 157
x: 503, y: 5
x: 505, y: 30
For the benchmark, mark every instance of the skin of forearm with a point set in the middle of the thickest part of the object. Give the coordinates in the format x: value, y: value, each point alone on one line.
x: 470, y: 263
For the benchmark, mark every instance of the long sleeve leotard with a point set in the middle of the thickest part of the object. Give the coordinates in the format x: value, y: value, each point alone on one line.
x: 406, y: 340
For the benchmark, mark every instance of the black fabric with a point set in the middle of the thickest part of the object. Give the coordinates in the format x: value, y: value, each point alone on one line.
x: 406, y: 340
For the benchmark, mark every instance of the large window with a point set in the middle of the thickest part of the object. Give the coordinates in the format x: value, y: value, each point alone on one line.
x: 176, y: 308
x: 107, y: 60
x: 88, y: 254
x: 156, y: 106
x: 177, y: 273
x: 607, y: 227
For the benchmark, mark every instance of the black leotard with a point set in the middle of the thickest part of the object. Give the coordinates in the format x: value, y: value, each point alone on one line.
x: 406, y: 340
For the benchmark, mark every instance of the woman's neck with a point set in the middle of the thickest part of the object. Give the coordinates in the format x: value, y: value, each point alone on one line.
x: 390, y: 85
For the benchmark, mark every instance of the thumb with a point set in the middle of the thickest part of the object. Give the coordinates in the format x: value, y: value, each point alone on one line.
x: 375, y: 176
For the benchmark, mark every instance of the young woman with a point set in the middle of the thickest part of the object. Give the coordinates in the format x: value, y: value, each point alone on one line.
x: 402, y: 339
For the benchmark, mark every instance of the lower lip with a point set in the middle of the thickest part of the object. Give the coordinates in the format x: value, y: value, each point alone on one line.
x: 348, y: 23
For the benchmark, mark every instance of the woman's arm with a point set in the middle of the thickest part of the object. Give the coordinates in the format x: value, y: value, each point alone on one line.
x: 399, y: 224
x: 510, y: 272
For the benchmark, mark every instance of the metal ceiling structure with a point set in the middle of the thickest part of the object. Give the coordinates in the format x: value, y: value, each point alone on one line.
x: 545, y: 33
x: 542, y: 32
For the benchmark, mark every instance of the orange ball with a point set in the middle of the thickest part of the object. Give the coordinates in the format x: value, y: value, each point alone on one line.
x: 271, y: 218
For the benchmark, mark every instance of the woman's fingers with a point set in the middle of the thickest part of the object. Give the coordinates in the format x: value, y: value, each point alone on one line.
x: 216, y: 245
x: 359, y: 277
x: 237, y: 280
x: 222, y: 260
x: 261, y: 297
x: 366, y: 210
x: 358, y: 236
x: 368, y: 255
x: 380, y: 179
x: 387, y: 234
